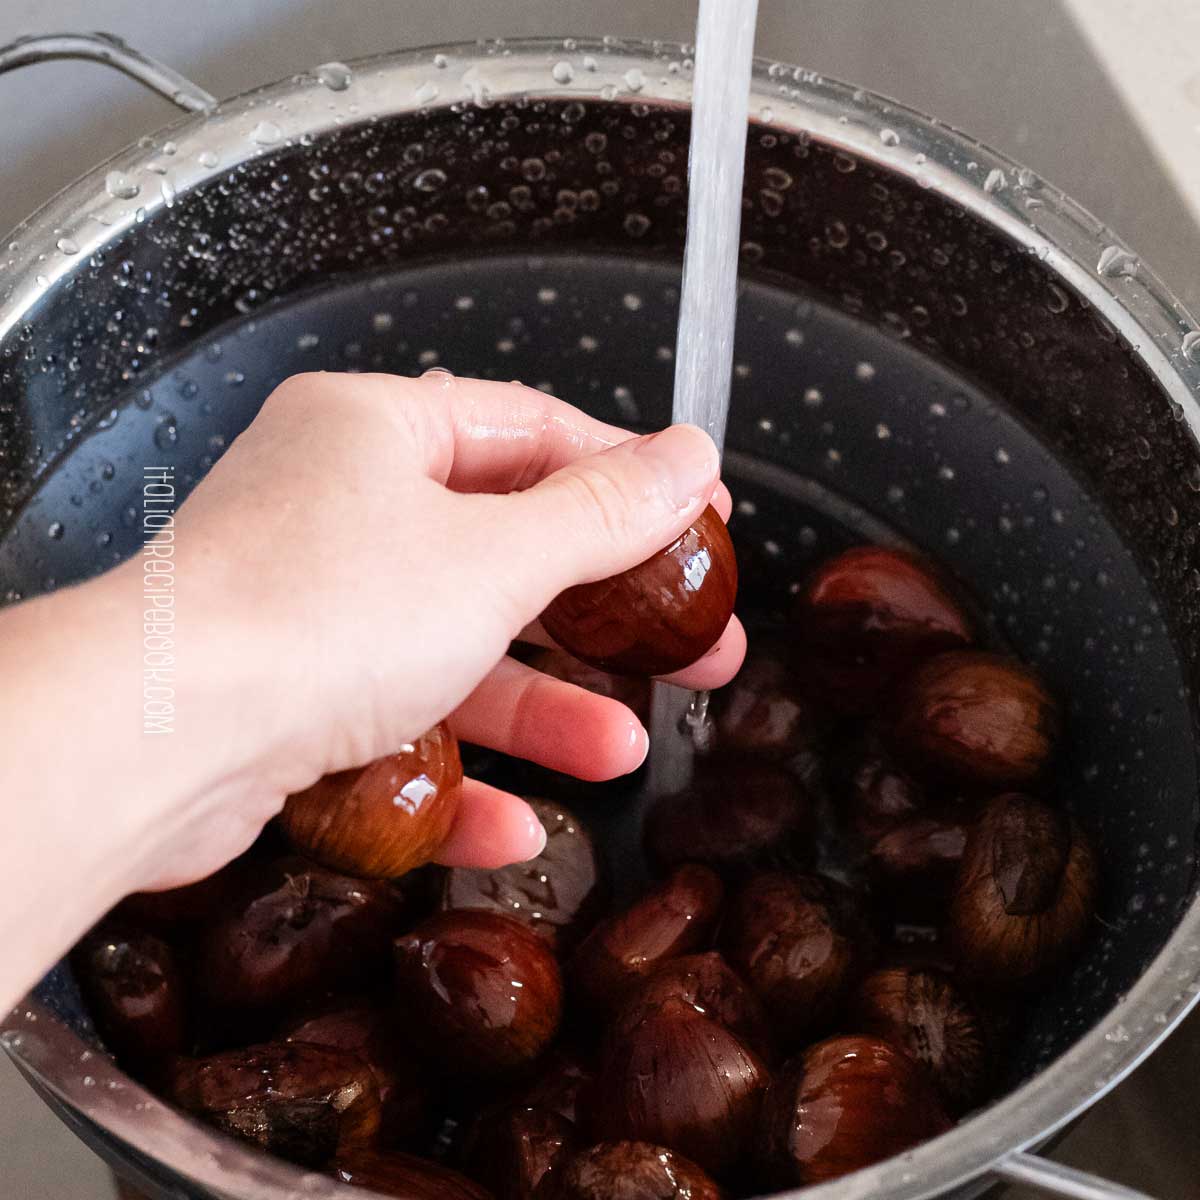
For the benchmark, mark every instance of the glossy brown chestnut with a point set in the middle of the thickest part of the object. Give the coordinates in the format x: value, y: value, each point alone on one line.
x: 134, y: 994
x: 405, y: 1176
x: 632, y: 691
x: 703, y: 984
x: 735, y: 813
x: 296, y: 932
x: 301, y: 1102
x: 514, y: 1150
x: 1026, y: 892
x: 386, y: 818
x: 673, y: 918
x: 558, y: 894
x: 558, y: 1087
x: 925, y: 1013
x: 632, y: 1171
x: 657, y: 617
x: 868, y: 616
x: 681, y: 1080
x: 916, y: 862
x: 800, y: 943
x: 875, y: 790
x: 843, y: 1104
x: 187, y: 905
x: 763, y: 712
x: 977, y: 719
x: 483, y: 990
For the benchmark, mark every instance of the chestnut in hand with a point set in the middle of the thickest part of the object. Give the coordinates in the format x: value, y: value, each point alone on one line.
x: 843, y: 1104
x: 678, y: 1079
x: 1025, y: 894
x: 516, y: 1150
x: 976, y: 719
x: 763, y: 713
x: 673, y: 918
x: 868, y: 616
x: 483, y: 988
x: 657, y: 617
x: 916, y: 862
x: 405, y: 1176
x: 923, y: 1012
x: 304, y: 1103
x: 632, y: 1171
x: 557, y: 894
x: 383, y: 819
x: 734, y: 813
x: 631, y: 691
x: 296, y: 931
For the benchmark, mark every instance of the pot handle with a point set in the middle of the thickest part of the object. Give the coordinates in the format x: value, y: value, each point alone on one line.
x: 113, y: 52
x: 1055, y: 1179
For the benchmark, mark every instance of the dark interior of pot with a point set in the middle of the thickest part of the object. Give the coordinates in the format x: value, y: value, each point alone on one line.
x: 904, y: 373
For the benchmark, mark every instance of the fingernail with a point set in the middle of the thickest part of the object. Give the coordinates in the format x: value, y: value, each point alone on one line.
x: 639, y: 739
x: 539, y: 833
x: 686, y: 459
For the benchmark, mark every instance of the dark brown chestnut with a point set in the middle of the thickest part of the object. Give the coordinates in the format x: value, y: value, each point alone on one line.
x: 297, y: 930
x: 558, y: 1087
x: 515, y: 1150
x: 134, y: 993
x: 916, y: 863
x: 735, y: 813
x: 680, y: 1080
x: 843, y: 1104
x: 386, y: 818
x: 183, y: 906
x: 657, y: 617
x: 673, y: 918
x: 929, y: 1016
x: 703, y: 984
x: 405, y: 1176
x: 558, y: 894
x: 632, y: 691
x: 301, y: 1102
x: 764, y: 713
x: 977, y: 719
x: 632, y: 1171
x: 868, y: 616
x: 800, y: 943
x: 875, y: 790
x: 483, y: 989
x: 1025, y: 894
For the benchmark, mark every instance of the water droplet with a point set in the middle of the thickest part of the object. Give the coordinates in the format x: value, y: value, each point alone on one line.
x: 430, y: 180
x: 207, y: 158
x: 794, y: 337
x: 1191, y: 346
x: 1058, y: 299
x: 547, y: 295
x: 166, y: 435
x: 632, y: 301
x: 588, y: 343
x: 634, y: 80
x: 812, y: 398
x: 995, y: 181
x: 428, y: 358
x: 864, y: 371
x: 121, y: 186
x: 1001, y: 457
x: 1114, y: 262
x: 266, y: 133
x: 563, y: 72
x: 67, y: 246
x: 882, y: 432
x: 441, y: 61
x: 427, y: 93
x: 55, y: 531
x: 336, y: 76
x: 166, y: 189
x: 889, y: 137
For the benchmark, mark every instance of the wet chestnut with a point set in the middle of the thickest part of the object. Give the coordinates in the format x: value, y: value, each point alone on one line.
x: 558, y: 1087
x: 875, y: 790
x: 632, y: 691
x: 657, y: 617
x: 514, y: 1150
x: 558, y: 894
x: 763, y: 711
x: 681, y: 1080
x: 405, y: 1176
x: 868, y: 616
x: 296, y: 930
x: 383, y: 819
x: 800, y: 943
x: 1025, y: 894
x: 734, y: 813
x: 301, y: 1102
x: 916, y: 862
x: 843, y: 1104
x: 482, y: 988
x: 134, y: 993
x: 675, y: 917
x: 632, y: 1171
x: 977, y: 719
x: 703, y: 984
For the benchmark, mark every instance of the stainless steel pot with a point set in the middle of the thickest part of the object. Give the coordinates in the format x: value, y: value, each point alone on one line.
x: 427, y: 155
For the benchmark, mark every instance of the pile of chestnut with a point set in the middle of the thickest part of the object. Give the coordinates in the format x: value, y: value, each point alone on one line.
x: 845, y: 908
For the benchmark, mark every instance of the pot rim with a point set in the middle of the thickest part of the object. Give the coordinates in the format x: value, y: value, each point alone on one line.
x: 193, y: 150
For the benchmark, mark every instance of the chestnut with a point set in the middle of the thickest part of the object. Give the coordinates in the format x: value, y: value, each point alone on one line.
x: 916, y: 862
x: 1025, y: 894
x: 763, y: 712
x: 657, y: 617
x: 558, y: 1087
x: 868, y: 616
x: 673, y: 918
x: 631, y: 691
x: 843, y: 1104
x: 301, y: 1102
x: 698, y: 983
x: 680, y: 1080
x: 296, y: 929
x: 976, y: 719
x: 734, y: 813
x: 876, y: 791
x: 514, y: 1150
x: 800, y: 943
x: 632, y: 1171
x: 483, y: 989
x: 925, y: 1013
x: 405, y: 1176
x: 558, y: 894
x: 189, y: 905
x: 134, y: 994
x: 383, y: 819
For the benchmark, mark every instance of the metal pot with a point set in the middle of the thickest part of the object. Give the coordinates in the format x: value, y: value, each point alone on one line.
x: 902, y: 281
